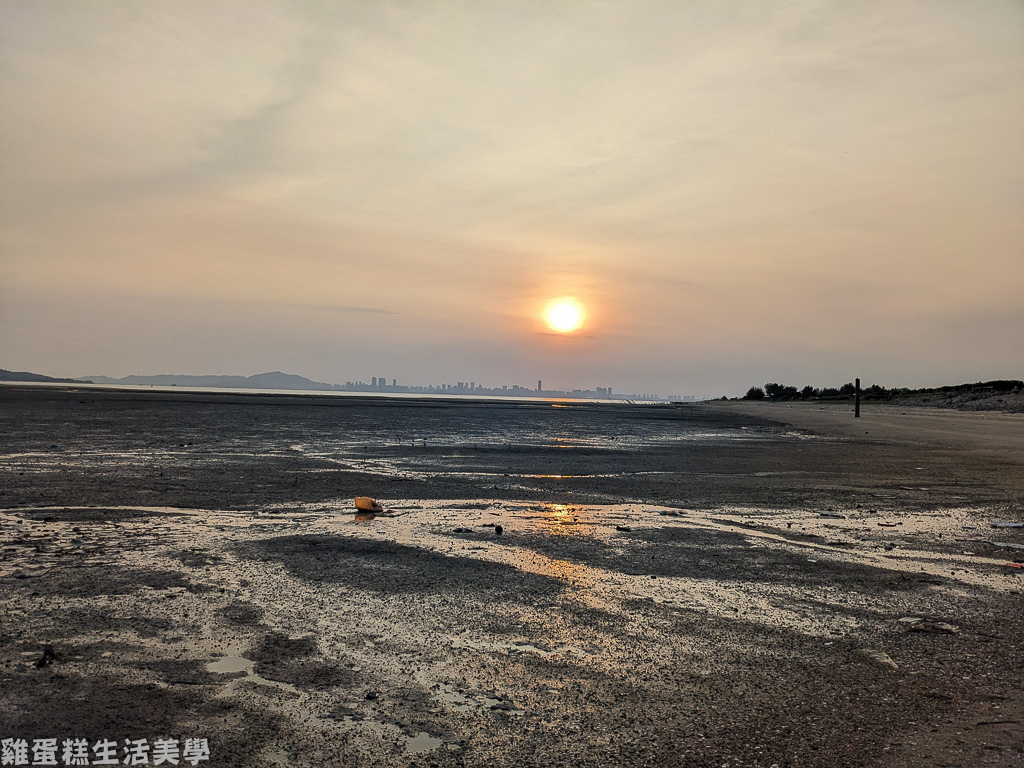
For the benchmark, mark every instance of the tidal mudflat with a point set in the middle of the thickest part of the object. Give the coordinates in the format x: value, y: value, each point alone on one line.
x: 554, y: 584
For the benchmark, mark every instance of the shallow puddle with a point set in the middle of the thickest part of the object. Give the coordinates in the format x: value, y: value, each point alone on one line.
x: 229, y: 664
x: 518, y: 648
x: 461, y: 702
x: 422, y: 742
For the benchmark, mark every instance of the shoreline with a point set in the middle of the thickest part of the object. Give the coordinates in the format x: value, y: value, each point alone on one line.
x: 309, y: 393
x: 992, y: 431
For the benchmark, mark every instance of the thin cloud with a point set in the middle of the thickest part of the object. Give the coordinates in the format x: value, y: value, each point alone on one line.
x: 704, y: 174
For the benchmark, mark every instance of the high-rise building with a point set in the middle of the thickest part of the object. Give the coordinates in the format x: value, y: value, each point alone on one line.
x: 539, y: 387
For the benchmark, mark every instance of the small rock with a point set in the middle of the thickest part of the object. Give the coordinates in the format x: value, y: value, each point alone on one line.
x: 371, y: 695
x: 625, y: 528
x: 939, y: 627
x: 880, y: 657
x: 48, y: 657
x: 498, y: 530
x: 31, y: 572
x: 833, y: 515
x: 1006, y: 524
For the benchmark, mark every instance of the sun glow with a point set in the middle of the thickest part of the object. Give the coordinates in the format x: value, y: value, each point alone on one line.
x: 564, y: 315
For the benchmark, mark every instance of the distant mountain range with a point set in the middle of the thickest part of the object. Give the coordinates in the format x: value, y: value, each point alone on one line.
x: 271, y: 380
x: 6, y: 375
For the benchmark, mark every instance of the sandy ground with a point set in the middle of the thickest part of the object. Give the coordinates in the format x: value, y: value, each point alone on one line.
x: 742, y: 584
x: 992, y: 433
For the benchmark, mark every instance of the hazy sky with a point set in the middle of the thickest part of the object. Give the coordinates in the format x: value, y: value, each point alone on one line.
x: 737, y: 192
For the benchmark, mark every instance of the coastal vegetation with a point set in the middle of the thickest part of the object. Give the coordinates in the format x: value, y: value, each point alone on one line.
x: 1000, y: 394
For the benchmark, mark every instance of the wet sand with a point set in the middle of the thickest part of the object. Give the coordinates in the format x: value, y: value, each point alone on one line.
x: 684, y: 585
x: 1000, y: 435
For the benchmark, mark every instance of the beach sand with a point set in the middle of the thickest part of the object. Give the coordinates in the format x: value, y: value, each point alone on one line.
x: 741, y: 583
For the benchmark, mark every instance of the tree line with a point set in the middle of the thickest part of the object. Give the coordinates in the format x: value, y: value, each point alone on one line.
x: 776, y: 391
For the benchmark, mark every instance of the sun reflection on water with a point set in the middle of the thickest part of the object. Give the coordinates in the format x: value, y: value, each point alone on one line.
x: 564, y: 519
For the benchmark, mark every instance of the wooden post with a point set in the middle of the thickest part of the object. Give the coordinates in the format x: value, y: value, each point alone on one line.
x: 856, y: 398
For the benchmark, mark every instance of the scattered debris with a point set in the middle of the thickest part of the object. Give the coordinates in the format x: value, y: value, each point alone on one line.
x: 1006, y: 524
x: 1007, y: 545
x: 918, y: 624
x: 880, y: 657
x: 366, y: 504
x: 1018, y: 566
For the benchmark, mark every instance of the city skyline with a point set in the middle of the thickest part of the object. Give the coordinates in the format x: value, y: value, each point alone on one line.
x: 378, y: 384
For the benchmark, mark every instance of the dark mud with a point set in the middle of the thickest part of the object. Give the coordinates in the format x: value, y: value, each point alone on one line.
x: 226, y: 451
x: 193, y: 564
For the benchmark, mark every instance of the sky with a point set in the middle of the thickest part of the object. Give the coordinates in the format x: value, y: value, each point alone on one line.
x: 736, y: 192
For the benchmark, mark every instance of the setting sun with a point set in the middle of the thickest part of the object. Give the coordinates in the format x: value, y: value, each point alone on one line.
x: 564, y: 315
